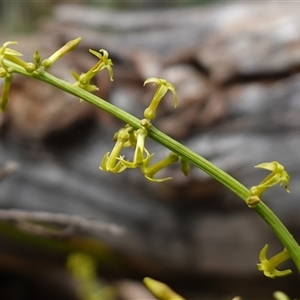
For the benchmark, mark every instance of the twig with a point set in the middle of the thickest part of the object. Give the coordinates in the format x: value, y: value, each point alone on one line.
x: 66, y: 225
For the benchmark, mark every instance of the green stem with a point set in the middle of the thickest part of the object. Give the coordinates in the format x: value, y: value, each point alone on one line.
x: 198, y: 161
x: 235, y: 186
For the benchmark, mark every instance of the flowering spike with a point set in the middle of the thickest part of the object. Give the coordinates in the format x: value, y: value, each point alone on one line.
x: 277, y: 175
x: 160, y: 290
x: 163, y: 87
x: 69, y: 46
x: 268, y: 266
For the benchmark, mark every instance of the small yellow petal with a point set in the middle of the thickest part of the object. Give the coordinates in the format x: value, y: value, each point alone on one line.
x: 158, y: 179
x: 103, y: 162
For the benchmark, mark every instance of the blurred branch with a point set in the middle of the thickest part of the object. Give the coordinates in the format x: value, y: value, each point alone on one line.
x: 57, y: 225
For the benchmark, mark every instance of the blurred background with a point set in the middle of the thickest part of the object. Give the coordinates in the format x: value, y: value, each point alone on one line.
x: 236, y: 68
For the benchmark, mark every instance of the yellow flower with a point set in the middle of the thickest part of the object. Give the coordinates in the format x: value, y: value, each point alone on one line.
x: 138, y: 141
x: 84, y: 80
x: 104, y: 62
x: 268, y: 266
x: 12, y: 55
x: 277, y: 175
x: 69, y: 46
x: 150, y: 171
x: 163, y: 87
x: 109, y: 162
x: 160, y: 290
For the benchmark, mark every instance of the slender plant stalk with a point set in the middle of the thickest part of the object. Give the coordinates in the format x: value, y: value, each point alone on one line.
x: 235, y: 186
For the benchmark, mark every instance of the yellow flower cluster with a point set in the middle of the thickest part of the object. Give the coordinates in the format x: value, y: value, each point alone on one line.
x: 6, y: 73
x: 8, y: 54
x: 127, y: 136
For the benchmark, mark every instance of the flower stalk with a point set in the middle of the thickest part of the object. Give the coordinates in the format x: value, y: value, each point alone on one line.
x: 185, y: 153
